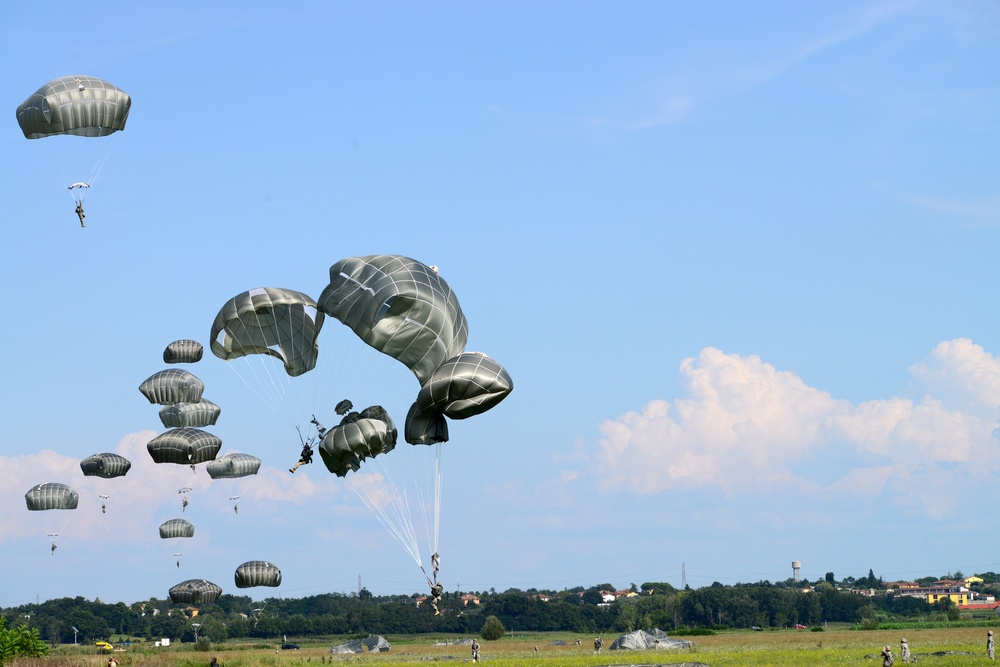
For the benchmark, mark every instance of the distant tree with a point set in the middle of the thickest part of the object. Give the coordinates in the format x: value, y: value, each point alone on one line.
x: 492, y: 629
x: 958, y: 575
x: 926, y: 581
x: 830, y: 579
x: 657, y: 588
x: 20, y: 641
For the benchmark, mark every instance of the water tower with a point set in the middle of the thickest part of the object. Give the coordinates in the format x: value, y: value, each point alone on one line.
x: 796, y: 570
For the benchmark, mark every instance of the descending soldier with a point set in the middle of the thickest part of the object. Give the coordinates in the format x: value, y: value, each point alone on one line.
x: 436, y: 591
x: 80, y: 214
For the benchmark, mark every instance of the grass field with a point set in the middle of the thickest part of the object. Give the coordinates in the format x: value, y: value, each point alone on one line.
x: 931, y: 647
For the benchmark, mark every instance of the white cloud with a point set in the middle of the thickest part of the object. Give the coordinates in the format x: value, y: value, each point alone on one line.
x: 742, y: 426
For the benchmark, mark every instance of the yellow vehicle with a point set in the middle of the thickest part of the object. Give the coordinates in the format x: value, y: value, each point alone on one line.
x: 104, y: 646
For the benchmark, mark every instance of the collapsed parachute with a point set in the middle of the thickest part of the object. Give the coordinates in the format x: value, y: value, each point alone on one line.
x: 233, y: 465
x: 173, y: 385
x: 277, y: 322
x: 184, y: 446
x: 77, y: 105
x: 200, y: 413
x: 184, y: 351
x: 172, y: 528
x: 195, y: 591
x: 105, y: 465
x: 359, y: 436
x: 257, y: 573
x: 51, y: 496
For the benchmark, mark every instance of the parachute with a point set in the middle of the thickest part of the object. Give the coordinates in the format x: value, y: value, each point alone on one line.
x: 183, y: 351
x: 359, y: 436
x: 184, y: 446
x: 199, y: 413
x: 78, y: 105
x: 51, y: 496
x: 172, y: 528
x: 257, y: 573
x: 343, y: 407
x: 277, y: 322
x: 195, y: 591
x: 173, y: 385
x: 233, y: 465
x: 105, y: 465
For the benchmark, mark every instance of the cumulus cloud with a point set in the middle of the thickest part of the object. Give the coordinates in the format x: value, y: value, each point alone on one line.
x: 743, y: 426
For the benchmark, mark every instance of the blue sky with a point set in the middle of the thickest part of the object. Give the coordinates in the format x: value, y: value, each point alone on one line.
x: 739, y: 259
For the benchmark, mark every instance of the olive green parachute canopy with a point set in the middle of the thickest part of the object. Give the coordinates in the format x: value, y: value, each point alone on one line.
x: 200, y: 413
x: 51, y: 496
x: 233, y: 465
x: 257, y: 573
x: 173, y: 385
x: 273, y: 321
x: 77, y: 105
x: 183, y: 351
x: 195, y: 591
x: 176, y: 528
x: 398, y: 306
x: 105, y: 465
x: 462, y: 387
x: 185, y: 446
x: 360, y: 435
x: 343, y: 407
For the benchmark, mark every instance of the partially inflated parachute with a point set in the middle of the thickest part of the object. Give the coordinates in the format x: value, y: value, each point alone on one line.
x: 200, y: 413
x: 172, y: 528
x: 185, y: 446
x: 105, y: 465
x: 272, y: 321
x: 77, y: 105
x: 195, y: 591
x: 173, y: 385
x: 359, y: 436
x: 233, y: 465
x: 400, y: 307
x: 183, y: 351
x: 257, y: 573
x: 51, y: 496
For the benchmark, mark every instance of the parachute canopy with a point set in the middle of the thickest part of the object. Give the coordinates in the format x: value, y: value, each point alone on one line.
x: 257, y: 573
x: 176, y: 528
x: 195, y: 591
x: 185, y: 446
x: 360, y: 435
x: 183, y: 351
x: 640, y: 640
x: 200, y: 413
x: 372, y: 642
x: 77, y: 105
x: 398, y: 306
x: 268, y: 320
x: 105, y: 465
x: 233, y: 465
x: 173, y: 385
x: 51, y: 496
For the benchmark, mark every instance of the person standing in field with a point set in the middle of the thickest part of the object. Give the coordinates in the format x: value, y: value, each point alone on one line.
x: 887, y: 660
x: 475, y: 651
x: 904, y: 650
x: 598, y: 643
x: 989, y: 644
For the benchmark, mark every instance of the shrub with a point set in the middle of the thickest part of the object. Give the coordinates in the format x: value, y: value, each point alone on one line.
x: 492, y: 629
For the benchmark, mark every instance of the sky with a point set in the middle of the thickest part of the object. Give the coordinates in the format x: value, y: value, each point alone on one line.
x: 739, y: 260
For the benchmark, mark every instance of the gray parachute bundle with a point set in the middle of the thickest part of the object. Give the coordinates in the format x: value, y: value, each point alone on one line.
x: 400, y: 307
x: 462, y: 387
x: 373, y: 643
x: 184, y: 351
x: 199, y: 413
x: 51, y: 496
x: 359, y: 436
x: 105, y: 465
x: 172, y: 528
x: 257, y: 573
x: 184, y: 446
x: 272, y: 321
x: 640, y: 640
x: 233, y: 465
x: 77, y: 105
x: 195, y: 591
x: 172, y: 385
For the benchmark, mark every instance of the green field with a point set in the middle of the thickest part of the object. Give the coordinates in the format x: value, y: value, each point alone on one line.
x: 960, y: 646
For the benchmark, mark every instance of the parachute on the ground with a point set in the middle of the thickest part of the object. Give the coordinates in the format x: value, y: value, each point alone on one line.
x: 199, y: 413
x: 185, y: 446
x: 371, y: 643
x: 172, y: 385
x: 360, y: 435
x: 105, y: 465
x: 233, y: 465
x: 77, y: 105
x: 462, y: 387
x: 195, y: 591
x: 184, y: 351
x: 277, y: 322
x: 400, y: 307
x: 172, y: 528
x: 51, y: 496
x: 257, y: 573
